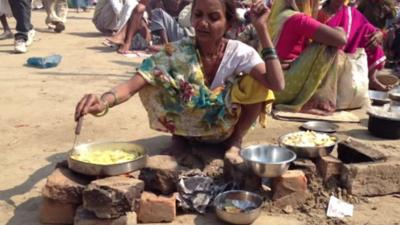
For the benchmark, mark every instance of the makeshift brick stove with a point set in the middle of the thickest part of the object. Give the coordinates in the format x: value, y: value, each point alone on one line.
x: 149, y: 195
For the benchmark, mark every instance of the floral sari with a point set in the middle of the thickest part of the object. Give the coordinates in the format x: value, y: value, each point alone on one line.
x: 311, y: 80
x: 358, y: 30
x: 178, y: 101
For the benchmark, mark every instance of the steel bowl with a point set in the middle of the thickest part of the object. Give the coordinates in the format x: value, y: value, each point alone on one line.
x: 107, y: 170
x: 309, y: 152
x: 242, y: 217
x: 378, y: 97
x: 267, y: 160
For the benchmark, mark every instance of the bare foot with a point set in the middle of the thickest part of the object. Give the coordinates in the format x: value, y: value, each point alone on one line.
x: 115, y: 40
x: 124, y: 47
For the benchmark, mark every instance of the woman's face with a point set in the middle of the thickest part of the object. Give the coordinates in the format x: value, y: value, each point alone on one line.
x: 209, y: 21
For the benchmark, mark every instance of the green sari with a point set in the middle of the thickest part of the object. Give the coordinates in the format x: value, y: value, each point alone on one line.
x: 311, y: 80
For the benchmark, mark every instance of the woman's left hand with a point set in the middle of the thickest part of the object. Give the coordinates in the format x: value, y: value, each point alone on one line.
x: 259, y: 13
x: 375, y: 39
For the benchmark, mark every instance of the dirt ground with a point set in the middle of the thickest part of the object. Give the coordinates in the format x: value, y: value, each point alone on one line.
x: 37, y: 124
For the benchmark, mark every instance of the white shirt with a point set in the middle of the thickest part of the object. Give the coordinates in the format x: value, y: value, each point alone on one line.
x: 238, y: 58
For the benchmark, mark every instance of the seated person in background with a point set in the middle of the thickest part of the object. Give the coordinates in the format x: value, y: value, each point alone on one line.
x: 360, y: 34
x: 111, y: 15
x: 311, y: 71
x: 136, y: 25
x: 191, y: 87
x: 378, y: 12
x: 169, y: 28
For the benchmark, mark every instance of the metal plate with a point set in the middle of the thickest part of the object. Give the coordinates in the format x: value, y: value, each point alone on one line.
x: 320, y: 126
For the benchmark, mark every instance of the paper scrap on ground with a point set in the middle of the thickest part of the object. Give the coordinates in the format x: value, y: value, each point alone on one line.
x: 338, y: 208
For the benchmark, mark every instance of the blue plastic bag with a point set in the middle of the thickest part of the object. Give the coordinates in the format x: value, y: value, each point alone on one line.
x: 45, y: 62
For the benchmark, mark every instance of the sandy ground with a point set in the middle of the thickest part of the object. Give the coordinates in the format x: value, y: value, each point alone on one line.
x: 37, y: 124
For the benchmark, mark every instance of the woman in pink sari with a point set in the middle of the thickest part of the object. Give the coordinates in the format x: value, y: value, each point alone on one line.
x: 360, y: 34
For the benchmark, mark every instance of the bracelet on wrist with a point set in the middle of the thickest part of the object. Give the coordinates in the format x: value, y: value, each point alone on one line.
x: 105, y: 110
x: 268, y: 53
x: 115, y: 101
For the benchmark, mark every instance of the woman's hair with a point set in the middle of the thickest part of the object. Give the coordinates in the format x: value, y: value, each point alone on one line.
x: 230, y: 10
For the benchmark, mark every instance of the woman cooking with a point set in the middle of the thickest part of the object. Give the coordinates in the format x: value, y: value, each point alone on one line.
x: 194, y: 88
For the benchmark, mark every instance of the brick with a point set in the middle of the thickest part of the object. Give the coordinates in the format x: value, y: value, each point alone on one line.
x: 306, y: 165
x: 54, y: 212
x: 237, y: 171
x: 161, y: 174
x: 156, y: 209
x: 329, y: 166
x: 65, y: 186
x: 289, y: 189
x: 351, y: 151
x: 85, y: 217
x: 112, y: 197
x: 371, y: 179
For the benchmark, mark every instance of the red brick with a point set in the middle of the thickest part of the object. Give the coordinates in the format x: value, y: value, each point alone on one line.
x: 156, y: 209
x: 55, y: 212
x: 289, y: 189
x: 85, y: 217
x: 65, y: 186
x: 329, y: 167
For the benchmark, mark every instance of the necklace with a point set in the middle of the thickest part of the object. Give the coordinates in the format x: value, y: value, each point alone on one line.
x: 210, y: 63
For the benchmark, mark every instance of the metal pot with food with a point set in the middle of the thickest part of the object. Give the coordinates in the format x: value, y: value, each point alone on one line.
x: 309, y: 144
x: 107, y: 158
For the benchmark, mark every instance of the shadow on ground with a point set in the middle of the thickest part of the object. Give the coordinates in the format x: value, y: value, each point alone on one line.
x: 125, y: 63
x: 7, y: 194
x: 86, y: 34
x: 102, y: 49
x: 26, y: 213
x: 73, y: 74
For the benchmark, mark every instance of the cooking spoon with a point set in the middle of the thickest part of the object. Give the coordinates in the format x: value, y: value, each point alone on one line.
x: 77, y: 130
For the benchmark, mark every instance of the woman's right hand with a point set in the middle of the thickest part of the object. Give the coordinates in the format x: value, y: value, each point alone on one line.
x: 90, y: 103
x: 259, y: 13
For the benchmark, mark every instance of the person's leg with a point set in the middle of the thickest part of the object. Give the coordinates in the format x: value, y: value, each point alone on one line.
x: 165, y: 26
x: 61, y: 9
x: 119, y: 37
x: 21, y: 10
x: 7, y: 31
x: 4, y: 23
x: 133, y: 26
x: 249, y: 114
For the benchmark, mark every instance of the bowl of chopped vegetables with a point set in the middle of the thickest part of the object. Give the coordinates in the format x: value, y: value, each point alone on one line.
x: 238, y: 207
x: 309, y: 144
x: 107, y: 158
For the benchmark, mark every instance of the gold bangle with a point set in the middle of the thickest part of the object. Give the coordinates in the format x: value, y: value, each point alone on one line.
x: 105, y: 111
x: 115, y: 102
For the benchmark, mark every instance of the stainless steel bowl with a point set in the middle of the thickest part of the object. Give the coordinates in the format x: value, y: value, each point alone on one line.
x: 268, y: 160
x: 378, y: 97
x: 107, y: 170
x: 309, y: 152
x: 242, y: 217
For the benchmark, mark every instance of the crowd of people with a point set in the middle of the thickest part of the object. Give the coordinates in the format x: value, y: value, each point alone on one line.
x: 216, y: 64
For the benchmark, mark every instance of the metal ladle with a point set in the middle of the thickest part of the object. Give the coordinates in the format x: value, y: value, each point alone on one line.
x: 77, y: 130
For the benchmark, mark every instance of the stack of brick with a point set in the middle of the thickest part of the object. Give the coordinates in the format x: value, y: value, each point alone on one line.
x: 62, y: 195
